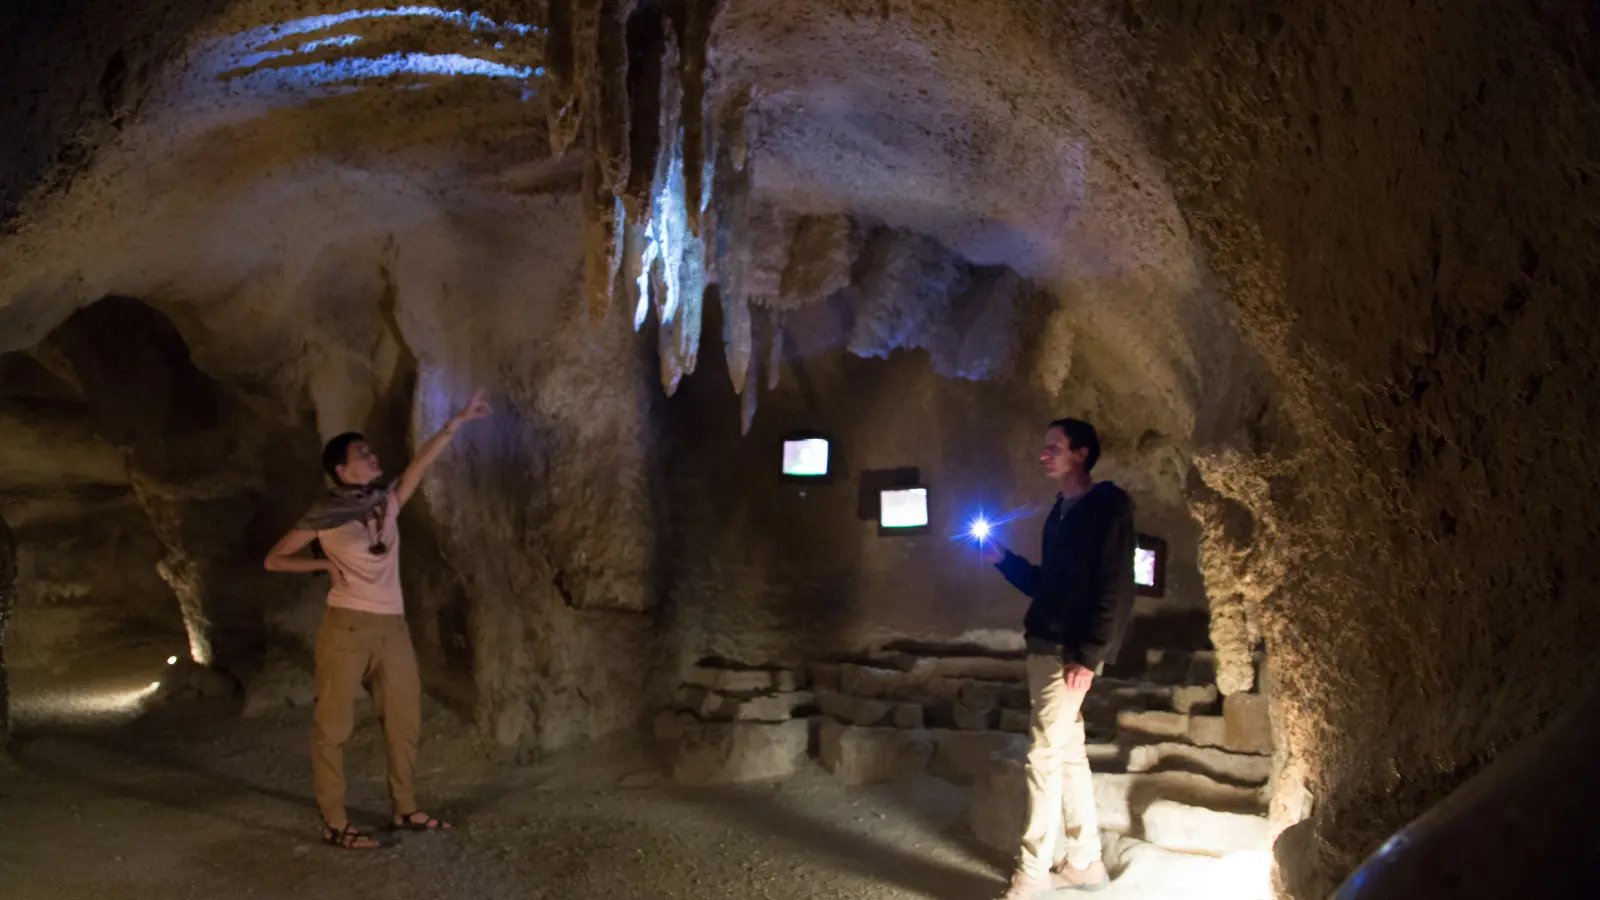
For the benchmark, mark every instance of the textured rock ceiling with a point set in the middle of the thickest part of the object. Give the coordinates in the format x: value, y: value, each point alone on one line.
x: 281, y: 136
x: 1379, y: 213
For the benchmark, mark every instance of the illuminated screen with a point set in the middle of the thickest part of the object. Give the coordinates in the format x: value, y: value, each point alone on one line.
x: 805, y: 458
x: 903, y: 508
x: 1144, y: 566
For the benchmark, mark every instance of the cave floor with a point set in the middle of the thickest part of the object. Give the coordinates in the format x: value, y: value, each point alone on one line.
x: 192, y: 801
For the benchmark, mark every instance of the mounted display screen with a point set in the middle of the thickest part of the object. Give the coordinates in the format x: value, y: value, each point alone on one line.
x: 903, y: 510
x: 805, y: 458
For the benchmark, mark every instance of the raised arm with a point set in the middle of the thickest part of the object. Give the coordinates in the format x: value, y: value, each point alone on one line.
x: 430, y: 451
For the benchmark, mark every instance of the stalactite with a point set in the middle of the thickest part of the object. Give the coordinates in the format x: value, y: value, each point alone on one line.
x: 607, y: 94
x: 561, y: 89
x: 694, y: 31
x: 730, y: 187
x: 632, y: 283
x: 646, y: 41
x: 749, y: 394
x: 634, y: 73
x: 775, y: 334
x: 665, y: 339
x: 732, y: 126
x: 585, y: 63
x: 601, y: 221
x: 736, y: 337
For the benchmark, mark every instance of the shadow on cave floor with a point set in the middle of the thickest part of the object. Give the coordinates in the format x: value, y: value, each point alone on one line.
x: 192, y: 801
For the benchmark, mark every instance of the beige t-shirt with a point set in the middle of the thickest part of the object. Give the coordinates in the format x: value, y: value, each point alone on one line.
x: 372, y: 581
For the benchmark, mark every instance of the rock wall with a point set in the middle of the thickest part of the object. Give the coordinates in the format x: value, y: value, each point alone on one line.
x: 1395, y: 197
x: 765, y: 571
x: 1338, y: 252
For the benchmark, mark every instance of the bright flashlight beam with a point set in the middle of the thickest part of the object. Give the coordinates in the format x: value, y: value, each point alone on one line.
x: 982, y: 527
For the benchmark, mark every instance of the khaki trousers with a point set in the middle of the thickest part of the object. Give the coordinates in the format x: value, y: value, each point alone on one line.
x: 356, y: 648
x: 1060, y: 789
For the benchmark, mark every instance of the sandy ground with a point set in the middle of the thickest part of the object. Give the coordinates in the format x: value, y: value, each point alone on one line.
x: 189, y: 801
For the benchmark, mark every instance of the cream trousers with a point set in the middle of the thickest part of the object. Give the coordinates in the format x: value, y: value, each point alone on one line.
x: 1060, y: 789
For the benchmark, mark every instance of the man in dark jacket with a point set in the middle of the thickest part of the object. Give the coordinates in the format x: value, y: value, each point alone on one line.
x: 1082, y: 593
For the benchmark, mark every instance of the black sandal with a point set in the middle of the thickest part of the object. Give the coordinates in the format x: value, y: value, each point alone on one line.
x: 348, y: 838
x: 409, y: 822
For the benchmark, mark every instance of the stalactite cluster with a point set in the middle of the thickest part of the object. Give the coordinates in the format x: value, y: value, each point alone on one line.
x: 665, y: 180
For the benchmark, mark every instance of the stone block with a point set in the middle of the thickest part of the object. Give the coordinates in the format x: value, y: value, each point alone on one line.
x: 908, y: 715
x: 1194, y: 699
x: 887, y: 684
x: 1000, y: 799
x: 1193, y: 829
x: 979, y: 694
x: 715, y: 707
x: 859, y: 756
x: 1120, y: 795
x: 788, y: 680
x: 825, y: 676
x: 981, y: 668
x: 1154, y: 723
x: 735, y: 752
x: 975, y: 718
x: 965, y: 756
x: 1202, y: 668
x: 894, y: 659
x: 1247, y: 724
x: 1137, y: 696
x: 1206, y: 731
x: 1014, y: 721
x: 1236, y: 768
x: 777, y: 707
x: 1015, y: 696
x: 730, y: 681
x: 855, y: 710
x: 1166, y: 666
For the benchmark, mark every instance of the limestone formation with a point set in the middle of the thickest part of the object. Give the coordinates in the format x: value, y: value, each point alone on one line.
x: 1321, y: 270
x: 857, y: 755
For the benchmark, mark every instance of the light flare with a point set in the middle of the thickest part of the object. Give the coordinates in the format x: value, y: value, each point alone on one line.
x: 982, y: 528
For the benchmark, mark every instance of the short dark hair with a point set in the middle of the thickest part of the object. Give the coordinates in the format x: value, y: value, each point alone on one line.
x: 336, y: 453
x: 1080, y: 434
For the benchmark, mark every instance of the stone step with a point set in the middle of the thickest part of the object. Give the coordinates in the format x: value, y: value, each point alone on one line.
x: 743, y: 681
x: 864, y: 754
x: 772, y: 706
x: 1244, y: 726
x: 710, y: 753
x: 1234, y: 768
x: 1193, y: 829
x: 999, y: 800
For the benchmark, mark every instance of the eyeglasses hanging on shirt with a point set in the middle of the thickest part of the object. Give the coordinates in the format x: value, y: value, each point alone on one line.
x: 376, y: 545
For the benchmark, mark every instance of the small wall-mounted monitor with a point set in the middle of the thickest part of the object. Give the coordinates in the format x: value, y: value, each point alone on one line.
x: 1150, y: 565
x: 903, y: 510
x: 806, y: 458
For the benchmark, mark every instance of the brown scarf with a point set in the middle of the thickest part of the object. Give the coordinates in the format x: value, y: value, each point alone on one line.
x: 344, y: 503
